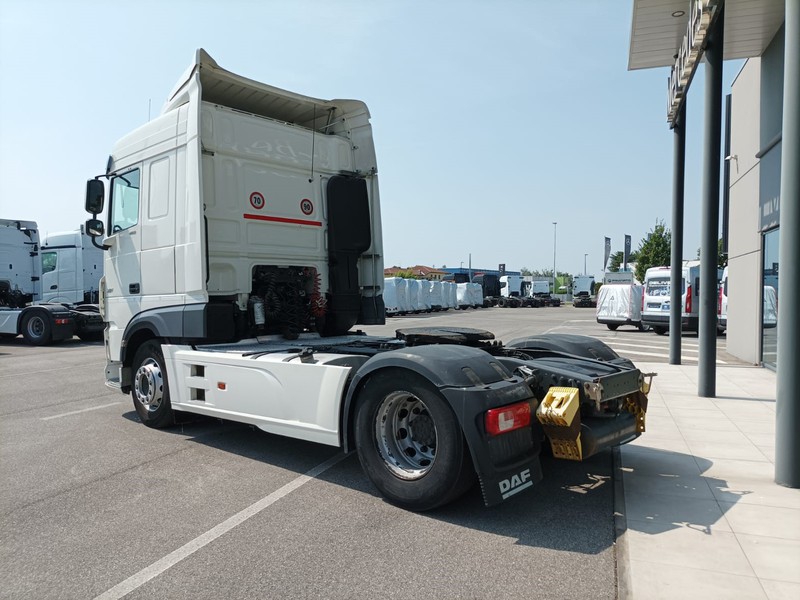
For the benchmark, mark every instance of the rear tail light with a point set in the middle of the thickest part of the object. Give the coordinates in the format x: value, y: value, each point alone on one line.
x: 508, y: 418
x: 688, y: 299
x: 719, y: 301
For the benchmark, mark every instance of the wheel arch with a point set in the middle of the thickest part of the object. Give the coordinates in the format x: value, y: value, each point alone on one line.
x: 133, y: 341
x: 443, y: 366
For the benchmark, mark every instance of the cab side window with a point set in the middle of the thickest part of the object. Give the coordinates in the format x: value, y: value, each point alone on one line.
x: 49, y: 261
x: 124, y: 201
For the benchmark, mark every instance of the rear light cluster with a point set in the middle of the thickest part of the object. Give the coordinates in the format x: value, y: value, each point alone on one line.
x: 62, y: 321
x: 508, y: 418
x: 688, y: 299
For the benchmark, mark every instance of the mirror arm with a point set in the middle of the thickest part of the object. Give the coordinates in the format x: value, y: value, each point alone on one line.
x: 96, y: 245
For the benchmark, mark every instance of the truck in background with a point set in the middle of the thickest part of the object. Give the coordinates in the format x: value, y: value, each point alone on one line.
x: 583, y: 293
x: 540, y: 292
x: 23, y: 306
x: 244, y: 243
x: 71, y: 268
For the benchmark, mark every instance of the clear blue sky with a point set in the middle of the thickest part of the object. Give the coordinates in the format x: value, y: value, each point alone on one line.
x: 491, y: 119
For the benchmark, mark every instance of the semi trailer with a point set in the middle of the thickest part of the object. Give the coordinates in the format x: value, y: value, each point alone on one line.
x: 243, y: 247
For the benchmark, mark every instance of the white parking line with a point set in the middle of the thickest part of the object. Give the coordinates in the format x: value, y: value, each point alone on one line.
x: 638, y: 353
x: 83, y: 410
x: 139, y: 579
x: 614, y: 344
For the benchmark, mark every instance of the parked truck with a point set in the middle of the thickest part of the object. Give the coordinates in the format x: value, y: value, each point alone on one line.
x: 71, y: 268
x: 40, y: 316
x: 244, y: 244
x: 540, y: 292
x: 583, y: 292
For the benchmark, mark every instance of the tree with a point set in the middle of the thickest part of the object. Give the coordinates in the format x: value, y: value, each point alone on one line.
x: 616, y: 260
x: 654, y: 250
x: 722, y: 258
x: 526, y: 271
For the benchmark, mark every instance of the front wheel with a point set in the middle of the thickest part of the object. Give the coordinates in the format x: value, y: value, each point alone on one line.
x: 150, y: 392
x: 410, y: 443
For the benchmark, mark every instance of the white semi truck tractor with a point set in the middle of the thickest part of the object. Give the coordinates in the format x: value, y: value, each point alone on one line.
x: 243, y: 248
x: 31, y: 304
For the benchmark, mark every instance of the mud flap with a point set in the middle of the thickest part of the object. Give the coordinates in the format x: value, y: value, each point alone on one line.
x: 498, y: 486
x: 505, y: 464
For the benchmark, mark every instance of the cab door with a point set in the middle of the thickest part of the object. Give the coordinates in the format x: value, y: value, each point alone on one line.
x: 122, y: 263
x: 60, y: 274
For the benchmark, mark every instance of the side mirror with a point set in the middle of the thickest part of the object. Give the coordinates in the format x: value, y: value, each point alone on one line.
x: 95, y: 197
x: 95, y: 228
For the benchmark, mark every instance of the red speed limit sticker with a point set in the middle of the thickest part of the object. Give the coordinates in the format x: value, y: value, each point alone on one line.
x: 257, y: 200
x: 306, y: 206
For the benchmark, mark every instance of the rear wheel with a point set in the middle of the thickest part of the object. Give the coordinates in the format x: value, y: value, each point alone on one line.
x: 36, y: 328
x: 659, y: 329
x: 410, y: 443
x: 612, y: 326
x: 150, y: 392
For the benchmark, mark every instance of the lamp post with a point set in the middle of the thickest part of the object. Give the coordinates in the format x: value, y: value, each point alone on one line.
x: 584, y: 263
x: 555, y: 228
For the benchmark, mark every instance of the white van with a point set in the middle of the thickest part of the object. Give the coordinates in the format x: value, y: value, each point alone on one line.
x: 656, y: 297
x: 620, y: 304
x: 722, y: 302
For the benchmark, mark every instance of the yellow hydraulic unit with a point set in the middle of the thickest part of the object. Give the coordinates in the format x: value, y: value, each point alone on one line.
x: 558, y: 413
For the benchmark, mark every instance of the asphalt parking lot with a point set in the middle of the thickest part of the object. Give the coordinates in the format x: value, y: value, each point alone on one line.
x: 96, y: 505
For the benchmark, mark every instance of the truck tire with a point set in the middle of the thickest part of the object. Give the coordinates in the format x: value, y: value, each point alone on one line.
x: 36, y: 328
x: 612, y: 326
x: 659, y: 329
x: 409, y: 442
x: 150, y: 392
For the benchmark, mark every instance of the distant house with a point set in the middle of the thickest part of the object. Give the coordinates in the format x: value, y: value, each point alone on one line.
x: 417, y: 271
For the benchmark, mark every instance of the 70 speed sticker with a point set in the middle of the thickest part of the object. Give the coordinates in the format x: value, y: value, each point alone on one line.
x: 257, y: 200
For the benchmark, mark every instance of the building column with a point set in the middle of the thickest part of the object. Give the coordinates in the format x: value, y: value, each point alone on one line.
x: 678, y: 171
x: 709, y: 236
x: 787, y: 431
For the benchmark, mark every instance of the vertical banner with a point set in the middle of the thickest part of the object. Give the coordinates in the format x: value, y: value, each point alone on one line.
x: 627, y: 252
x: 607, y: 253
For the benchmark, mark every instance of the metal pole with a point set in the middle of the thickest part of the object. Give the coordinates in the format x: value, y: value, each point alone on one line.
x: 555, y: 227
x: 584, y: 264
x: 707, y: 328
x: 787, y: 430
x: 678, y: 179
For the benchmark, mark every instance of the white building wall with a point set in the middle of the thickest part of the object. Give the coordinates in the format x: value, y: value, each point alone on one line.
x: 744, y: 239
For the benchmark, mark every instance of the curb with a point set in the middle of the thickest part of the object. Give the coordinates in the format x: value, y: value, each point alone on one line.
x: 621, y: 553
